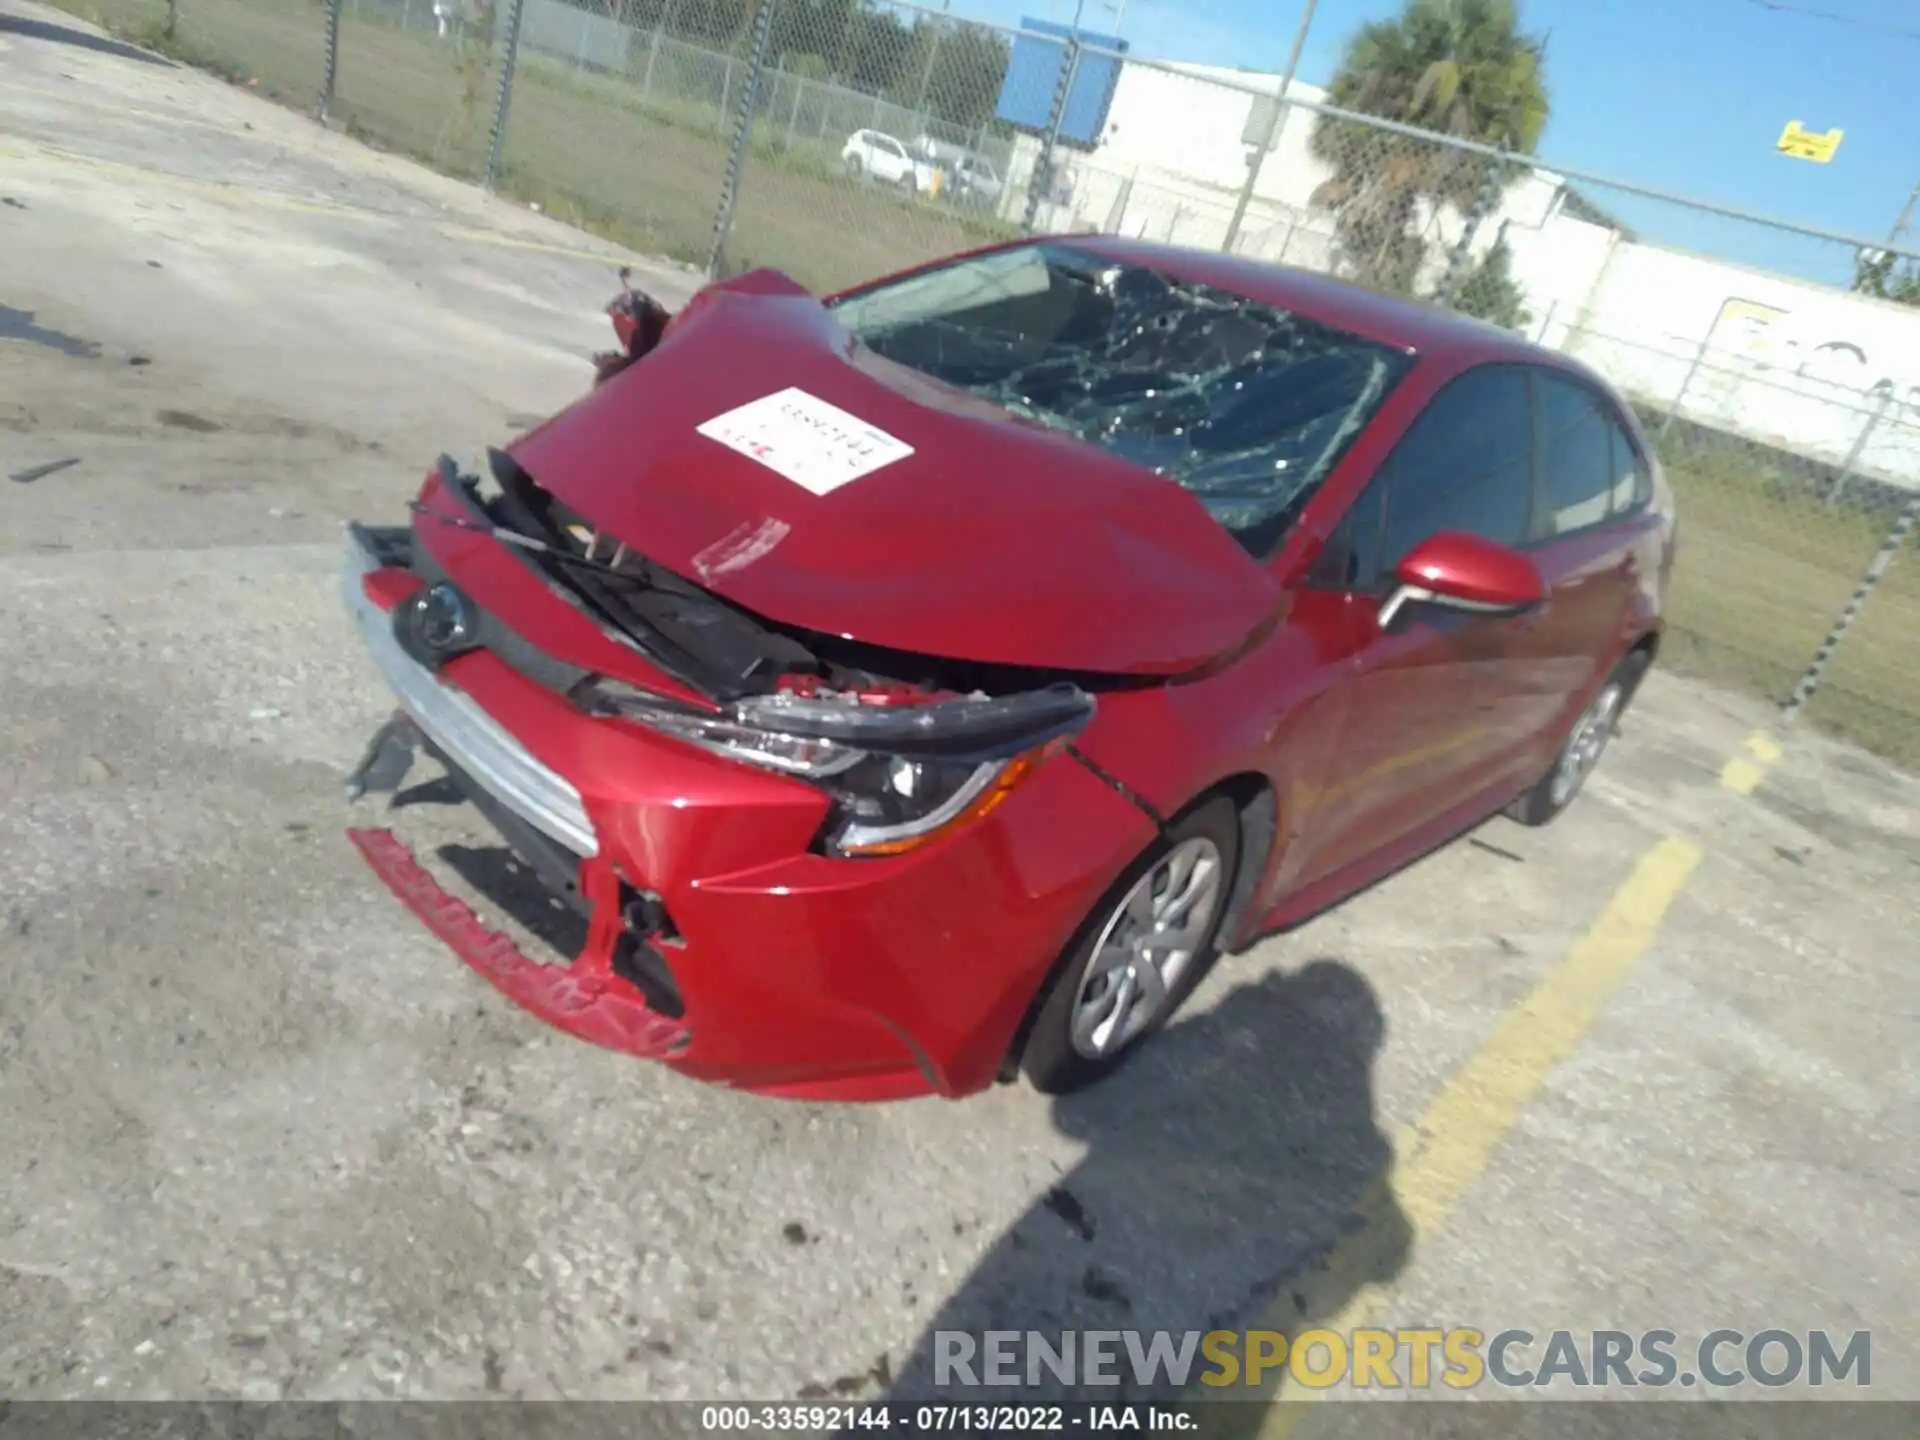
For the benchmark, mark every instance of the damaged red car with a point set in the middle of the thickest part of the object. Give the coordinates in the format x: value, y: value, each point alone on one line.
x: 920, y: 686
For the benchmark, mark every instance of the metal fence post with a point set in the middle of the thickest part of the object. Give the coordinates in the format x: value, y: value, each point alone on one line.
x: 1462, y: 255
x: 499, y: 137
x: 742, y: 131
x: 1859, y: 448
x: 1043, y: 163
x: 1546, y: 322
x: 1276, y: 123
x: 1673, y: 409
x: 1117, y: 212
x: 1809, y: 682
x: 333, y: 55
x: 653, y: 54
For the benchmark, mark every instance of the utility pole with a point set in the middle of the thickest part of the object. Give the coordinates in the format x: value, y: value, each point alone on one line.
x: 1270, y: 129
x: 1873, y: 268
x: 1905, y: 222
x: 933, y: 51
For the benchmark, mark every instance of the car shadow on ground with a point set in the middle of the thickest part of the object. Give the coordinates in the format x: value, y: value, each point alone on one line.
x: 1235, y: 1177
x: 1223, y: 1165
x: 65, y: 35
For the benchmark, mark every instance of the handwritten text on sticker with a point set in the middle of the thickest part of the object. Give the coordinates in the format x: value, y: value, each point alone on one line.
x: 817, y: 446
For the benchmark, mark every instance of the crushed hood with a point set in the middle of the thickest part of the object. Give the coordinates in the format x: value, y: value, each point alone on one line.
x: 979, y: 536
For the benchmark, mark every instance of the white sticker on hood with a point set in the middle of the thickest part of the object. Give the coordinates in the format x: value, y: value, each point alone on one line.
x: 817, y: 446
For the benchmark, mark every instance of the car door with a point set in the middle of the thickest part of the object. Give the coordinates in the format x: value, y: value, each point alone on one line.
x: 1423, y: 718
x: 1591, y: 482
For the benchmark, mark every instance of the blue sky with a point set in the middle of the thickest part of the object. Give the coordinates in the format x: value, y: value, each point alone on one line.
x: 1685, y: 95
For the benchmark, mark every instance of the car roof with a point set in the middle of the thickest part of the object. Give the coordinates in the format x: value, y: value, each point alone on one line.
x: 1412, y: 325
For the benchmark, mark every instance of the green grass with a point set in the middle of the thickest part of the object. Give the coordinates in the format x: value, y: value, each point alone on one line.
x: 1764, y: 569
x: 590, y: 148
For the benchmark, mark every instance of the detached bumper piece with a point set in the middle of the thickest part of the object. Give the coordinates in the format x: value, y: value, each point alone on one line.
x: 586, y: 999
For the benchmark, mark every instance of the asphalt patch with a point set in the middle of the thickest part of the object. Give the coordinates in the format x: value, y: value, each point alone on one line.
x: 20, y: 325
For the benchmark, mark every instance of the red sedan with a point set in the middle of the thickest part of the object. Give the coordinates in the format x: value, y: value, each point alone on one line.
x: 922, y: 685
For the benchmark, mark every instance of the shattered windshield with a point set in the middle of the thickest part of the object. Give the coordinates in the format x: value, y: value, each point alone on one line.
x: 1245, y: 405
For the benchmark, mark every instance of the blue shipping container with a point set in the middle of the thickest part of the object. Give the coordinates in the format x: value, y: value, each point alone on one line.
x: 1033, y: 75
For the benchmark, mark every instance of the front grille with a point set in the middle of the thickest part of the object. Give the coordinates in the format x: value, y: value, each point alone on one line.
x: 456, y: 725
x: 495, y: 635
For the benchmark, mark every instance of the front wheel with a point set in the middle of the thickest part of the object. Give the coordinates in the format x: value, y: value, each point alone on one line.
x: 1145, y: 947
x: 1586, y: 742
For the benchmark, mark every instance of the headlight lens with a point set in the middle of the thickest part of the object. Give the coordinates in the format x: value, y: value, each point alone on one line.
x: 900, y: 775
x: 793, y: 754
x: 890, y: 803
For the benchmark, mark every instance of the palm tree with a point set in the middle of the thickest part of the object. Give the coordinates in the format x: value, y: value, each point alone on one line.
x: 1460, y: 67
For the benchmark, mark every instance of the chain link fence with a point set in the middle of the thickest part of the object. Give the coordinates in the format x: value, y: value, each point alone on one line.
x: 842, y: 139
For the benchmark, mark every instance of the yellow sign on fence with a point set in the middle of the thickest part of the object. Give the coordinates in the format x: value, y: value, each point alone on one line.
x: 1802, y: 144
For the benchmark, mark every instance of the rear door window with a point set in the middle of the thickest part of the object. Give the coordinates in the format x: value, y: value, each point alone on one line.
x: 1577, y: 456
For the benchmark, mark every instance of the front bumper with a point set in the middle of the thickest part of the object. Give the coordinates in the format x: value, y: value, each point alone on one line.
x: 455, y: 724
x: 795, y: 974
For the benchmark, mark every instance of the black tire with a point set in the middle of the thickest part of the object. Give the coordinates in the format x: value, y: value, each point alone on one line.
x: 854, y: 168
x: 1567, y: 776
x: 1053, y: 1062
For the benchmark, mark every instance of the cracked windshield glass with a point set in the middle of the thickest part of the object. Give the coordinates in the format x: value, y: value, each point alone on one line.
x: 1245, y: 405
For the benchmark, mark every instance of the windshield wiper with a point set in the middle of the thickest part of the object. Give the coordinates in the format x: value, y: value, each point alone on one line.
x: 587, y: 593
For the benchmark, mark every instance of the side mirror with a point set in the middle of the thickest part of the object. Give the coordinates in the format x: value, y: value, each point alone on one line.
x: 1464, y: 572
x: 639, y: 322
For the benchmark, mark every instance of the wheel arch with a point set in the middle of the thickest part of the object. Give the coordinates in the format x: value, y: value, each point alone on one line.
x: 1257, y: 807
x: 1645, y: 649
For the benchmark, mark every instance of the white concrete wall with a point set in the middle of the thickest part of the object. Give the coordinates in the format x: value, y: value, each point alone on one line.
x: 1795, y: 364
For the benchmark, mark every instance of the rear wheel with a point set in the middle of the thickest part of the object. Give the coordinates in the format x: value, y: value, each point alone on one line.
x: 1586, y: 742
x: 1140, y: 954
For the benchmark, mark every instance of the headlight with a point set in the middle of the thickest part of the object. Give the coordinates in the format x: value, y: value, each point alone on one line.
x: 887, y: 804
x: 899, y: 774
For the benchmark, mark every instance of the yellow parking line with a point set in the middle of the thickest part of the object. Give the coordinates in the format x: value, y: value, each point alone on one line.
x: 1440, y: 1158
x: 266, y: 199
x: 1743, y: 773
x: 513, y: 242
x: 1443, y: 1155
x: 1479, y: 1104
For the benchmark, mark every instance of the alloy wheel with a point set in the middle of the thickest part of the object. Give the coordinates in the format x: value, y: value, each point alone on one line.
x: 1587, y: 743
x: 1145, y: 948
